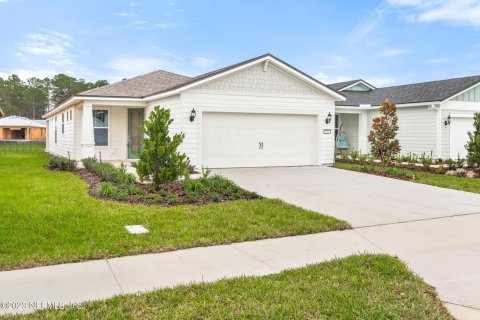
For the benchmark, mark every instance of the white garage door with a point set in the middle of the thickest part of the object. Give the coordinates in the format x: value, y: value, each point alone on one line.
x: 459, y: 136
x: 258, y: 140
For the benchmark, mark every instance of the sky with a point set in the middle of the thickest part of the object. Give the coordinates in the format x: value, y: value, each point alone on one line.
x: 386, y: 42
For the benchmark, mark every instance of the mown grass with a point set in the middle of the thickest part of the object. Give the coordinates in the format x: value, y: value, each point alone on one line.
x: 356, y: 287
x: 438, y: 180
x: 48, y: 218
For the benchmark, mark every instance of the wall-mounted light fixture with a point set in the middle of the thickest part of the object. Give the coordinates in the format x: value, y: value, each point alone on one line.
x: 449, y: 120
x: 193, y: 114
x: 329, y: 118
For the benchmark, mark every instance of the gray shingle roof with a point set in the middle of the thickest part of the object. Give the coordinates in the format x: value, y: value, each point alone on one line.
x: 138, y: 87
x: 410, y: 93
x: 161, y: 81
x: 344, y: 84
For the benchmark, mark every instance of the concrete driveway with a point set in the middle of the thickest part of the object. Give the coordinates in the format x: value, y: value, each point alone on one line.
x: 435, y: 230
x: 361, y: 199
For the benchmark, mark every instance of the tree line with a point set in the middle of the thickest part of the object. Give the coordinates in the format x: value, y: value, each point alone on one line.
x: 34, y: 97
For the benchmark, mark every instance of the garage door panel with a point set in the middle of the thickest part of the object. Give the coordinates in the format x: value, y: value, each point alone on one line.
x: 232, y: 140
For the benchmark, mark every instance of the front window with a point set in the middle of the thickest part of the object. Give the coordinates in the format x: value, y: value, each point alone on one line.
x: 100, y: 127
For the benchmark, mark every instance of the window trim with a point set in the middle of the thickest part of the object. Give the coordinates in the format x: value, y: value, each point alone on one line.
x: 107, y: 127
x: 63, y: 123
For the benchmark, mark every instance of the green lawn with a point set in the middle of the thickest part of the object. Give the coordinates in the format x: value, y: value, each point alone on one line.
x: 48, y: 218
x: 444, y: 181
x: 357, y: 287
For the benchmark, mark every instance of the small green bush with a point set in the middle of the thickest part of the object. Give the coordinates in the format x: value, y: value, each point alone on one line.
x: 427, y: 161
x: 62, y: 164
x: 108, y: 171
x: 450, y: 163
x: 354, y: 154
x: 110, y: 190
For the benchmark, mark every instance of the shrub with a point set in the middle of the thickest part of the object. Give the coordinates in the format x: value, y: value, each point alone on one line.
x: 450, y: 163
x: 343, y: 155
x: 354, y: 154
x: 441, y: 170
x: 362, y: 158
x: 460, y: 162
x: 473, y: 145
x: 109, y: 190
x: 382, y: 137
x: 108, y: 171
x: 62, y: 164
x: 427, y: 161
x: 160, y: 162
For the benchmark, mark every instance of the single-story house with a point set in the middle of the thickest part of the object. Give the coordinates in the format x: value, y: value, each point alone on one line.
x: 22, y: 129
x: 260, y: 112
x: 433, y: 117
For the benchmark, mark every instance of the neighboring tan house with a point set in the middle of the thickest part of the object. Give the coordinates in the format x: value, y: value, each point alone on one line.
x: 433, y: 117
x: 260, y: 112
x: 15, y: 128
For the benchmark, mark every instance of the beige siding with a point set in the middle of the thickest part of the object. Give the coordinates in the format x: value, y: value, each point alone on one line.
x: 65, y: 141
x: 417, y: 129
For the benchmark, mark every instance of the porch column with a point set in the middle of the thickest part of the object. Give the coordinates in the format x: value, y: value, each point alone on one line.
x: 87, y: 142
x: 363, y: 132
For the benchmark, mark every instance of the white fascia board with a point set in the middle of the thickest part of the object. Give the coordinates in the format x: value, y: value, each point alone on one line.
x: 354, y: 84
x: 94, y: 100
x: 457, y: 94
x: 270, y: 59
x: 462, y: 115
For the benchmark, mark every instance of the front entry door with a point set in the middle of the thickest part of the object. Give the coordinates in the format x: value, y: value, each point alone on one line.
x: 135, y: 133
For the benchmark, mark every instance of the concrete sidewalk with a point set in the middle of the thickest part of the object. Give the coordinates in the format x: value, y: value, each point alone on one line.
x: 443, y: 251
x: 80, y: 282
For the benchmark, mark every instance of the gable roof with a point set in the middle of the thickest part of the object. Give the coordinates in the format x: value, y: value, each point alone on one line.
x: 339, y: 86
x: 432, y: 91
x: 160, y: 81
x: 139, y: 86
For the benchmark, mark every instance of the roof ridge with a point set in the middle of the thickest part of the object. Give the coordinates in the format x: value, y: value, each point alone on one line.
x: 431, y: 81
x: 130, y: 79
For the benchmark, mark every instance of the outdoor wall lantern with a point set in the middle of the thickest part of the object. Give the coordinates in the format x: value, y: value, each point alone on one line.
x: 449, y: 119
x: 329, y: 118
x: 193, y: 114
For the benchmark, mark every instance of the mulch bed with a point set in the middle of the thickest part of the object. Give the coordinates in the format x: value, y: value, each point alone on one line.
x: 173, y: 188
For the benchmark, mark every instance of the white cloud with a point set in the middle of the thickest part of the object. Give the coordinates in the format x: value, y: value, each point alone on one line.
x: 327, y: 79
x: 126, y: 67
x: 46, y: 53
x: 463, y: 12
x: 203, y: 62
x: 367, y: 24
x: 387, y: 53
x: 52, y: 44
x: 24, y: 74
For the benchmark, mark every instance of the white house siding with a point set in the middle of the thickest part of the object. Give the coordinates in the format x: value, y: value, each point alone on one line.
x: 254, y: 91
x: 65, y: 141
x: 417, y: 129
x: 350, y: 128
x: 445, y: 135
x: 456, y: 108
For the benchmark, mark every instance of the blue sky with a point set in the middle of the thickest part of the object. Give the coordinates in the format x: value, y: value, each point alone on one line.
x: 385, y: 42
